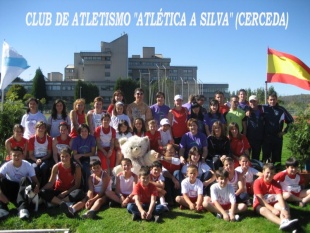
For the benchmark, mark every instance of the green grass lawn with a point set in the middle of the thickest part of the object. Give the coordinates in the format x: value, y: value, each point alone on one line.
x: 118, y: 220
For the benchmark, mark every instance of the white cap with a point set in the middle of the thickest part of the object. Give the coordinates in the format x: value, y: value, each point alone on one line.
x: 164, y: 121
x: 119, y: 103
x: 253, y: 97
x: 178, y: 97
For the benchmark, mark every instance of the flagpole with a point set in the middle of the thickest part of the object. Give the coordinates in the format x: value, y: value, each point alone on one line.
x: 266, y: 89
x: 2, y: 100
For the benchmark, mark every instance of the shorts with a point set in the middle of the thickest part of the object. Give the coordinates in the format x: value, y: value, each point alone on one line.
x: 225, y: 206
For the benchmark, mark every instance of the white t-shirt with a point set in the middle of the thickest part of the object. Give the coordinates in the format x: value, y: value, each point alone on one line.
x: 202, y: 168
x: 224, y: 195
x: 126, y: 185
x: 29, y: 122
x: 192, y: 190
x: 116, y: 119
x: 165, y: 136
x: 54, y: 132
x: 15, y: 174
x: 249, y: 175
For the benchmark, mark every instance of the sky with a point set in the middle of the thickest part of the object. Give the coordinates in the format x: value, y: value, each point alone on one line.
x: 226, y: 48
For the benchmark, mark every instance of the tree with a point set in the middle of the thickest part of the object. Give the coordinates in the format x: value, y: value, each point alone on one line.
x: 38, y: 85
x: 127, y: 86
x: 85, y: 90
x: 18, y: 79
x: 16, y: 92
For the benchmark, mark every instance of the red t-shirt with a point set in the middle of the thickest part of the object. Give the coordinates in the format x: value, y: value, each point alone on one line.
x: 65, y: 180
x: 237, y: 147
x: 145, y: 192
x: 13, y: 143
x: 154, y: 140
x: 80, y: 120
x: 224, y: 109
x: 170, y: 167
x: 179, y: 124
x: 268, y: 190
x: 32, y: 139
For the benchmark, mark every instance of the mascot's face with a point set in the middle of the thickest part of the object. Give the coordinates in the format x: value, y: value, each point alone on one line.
x: 135, y: 147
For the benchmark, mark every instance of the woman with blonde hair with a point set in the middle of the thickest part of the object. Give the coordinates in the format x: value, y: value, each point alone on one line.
x: 77, y: 116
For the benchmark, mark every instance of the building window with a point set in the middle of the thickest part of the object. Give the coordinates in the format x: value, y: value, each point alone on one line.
x: 107, y: 58
x: 107, y: 66
x: 107, y: 74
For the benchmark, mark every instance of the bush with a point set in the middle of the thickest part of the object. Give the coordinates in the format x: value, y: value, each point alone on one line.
x: 12, y: 114
x: 299, y: 138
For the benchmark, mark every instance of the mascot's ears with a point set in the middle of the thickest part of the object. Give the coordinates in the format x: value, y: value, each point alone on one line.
x: 122, y: 141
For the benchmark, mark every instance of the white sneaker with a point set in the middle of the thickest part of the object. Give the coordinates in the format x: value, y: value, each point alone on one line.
x: 285, y: 223
x: 219, y: 216
x: 23, y: 214
x: 3, y: 213
x: 237, y: 217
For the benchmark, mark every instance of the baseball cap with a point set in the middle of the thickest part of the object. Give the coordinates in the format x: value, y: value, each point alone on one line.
x: 253, y: 97
x: 178, y: 97
x: 164, y: 121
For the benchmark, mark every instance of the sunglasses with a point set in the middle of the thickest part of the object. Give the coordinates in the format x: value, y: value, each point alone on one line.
x: 139, y: 93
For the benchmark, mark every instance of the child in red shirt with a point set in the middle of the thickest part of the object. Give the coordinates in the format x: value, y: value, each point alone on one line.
x: 154, y: 136
x: 291, y: 182
x: 268, y: 199
x: 145, y: 194
x: 105, y: 137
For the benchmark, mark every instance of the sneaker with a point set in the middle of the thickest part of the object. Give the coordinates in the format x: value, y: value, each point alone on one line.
x: 237, y: 217
x: 71, y: 211
x: 23, y: 214
x: 89, y: 214
x: 3, y: 213
x: 219, y: 216
x: 69, y: 203
x: 286, y: 223
x: 64, y: 207
x: 134, y: 217
x: 166, y: 208
x: 156, y: 218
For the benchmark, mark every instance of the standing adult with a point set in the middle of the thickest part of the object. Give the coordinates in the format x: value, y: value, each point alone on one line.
x: 118, y: 96
x: 274, y: 116
x: 212, y: 116
x: 255, y: 127
x: 31, y: 118
x: 14, y: 178
x: 77, y: 116
x: 243, y: 103
x: 219, y: 96
x: 178, y: 117
x: 59, y: 114
x: 94, y: 115
x: 236, y: 114
x: 159, y: 110
x: 139, y: 109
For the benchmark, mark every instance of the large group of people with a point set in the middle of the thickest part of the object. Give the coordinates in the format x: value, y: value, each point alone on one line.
x: 204, y: 163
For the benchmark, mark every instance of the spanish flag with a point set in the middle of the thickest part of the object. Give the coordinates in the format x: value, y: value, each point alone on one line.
x: 285, y: 68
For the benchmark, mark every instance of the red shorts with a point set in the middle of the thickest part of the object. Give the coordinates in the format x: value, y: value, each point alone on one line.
x: 225, y: 206
x: 107, y: 163
x: 193, y: 199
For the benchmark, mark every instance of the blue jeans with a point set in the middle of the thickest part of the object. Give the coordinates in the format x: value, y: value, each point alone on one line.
x: 133, y: 209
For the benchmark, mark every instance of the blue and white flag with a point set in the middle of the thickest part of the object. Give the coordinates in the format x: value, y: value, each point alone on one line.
x: 13, y: 64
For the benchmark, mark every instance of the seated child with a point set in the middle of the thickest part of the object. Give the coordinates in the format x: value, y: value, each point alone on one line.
x: 154, y: 136
x: 247, y: 172
x: 236, y: 180
x: 64, y: 183
x: 165, y: 132
x: 223, y: 199
x: 171, y: 165
x: 158, y: 180
x: 98, y: 183
x: 192, y: 190
x: 123, y: 132
x: 125, y: 181
x: 145, y: 195
x: 291, y: 183
x: 268, y: 199
x: 205, y: 174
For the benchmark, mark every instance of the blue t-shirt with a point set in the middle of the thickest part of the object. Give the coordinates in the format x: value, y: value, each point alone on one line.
x: 159, y: 112
x: 189, y: 140
x: 83, y: 146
